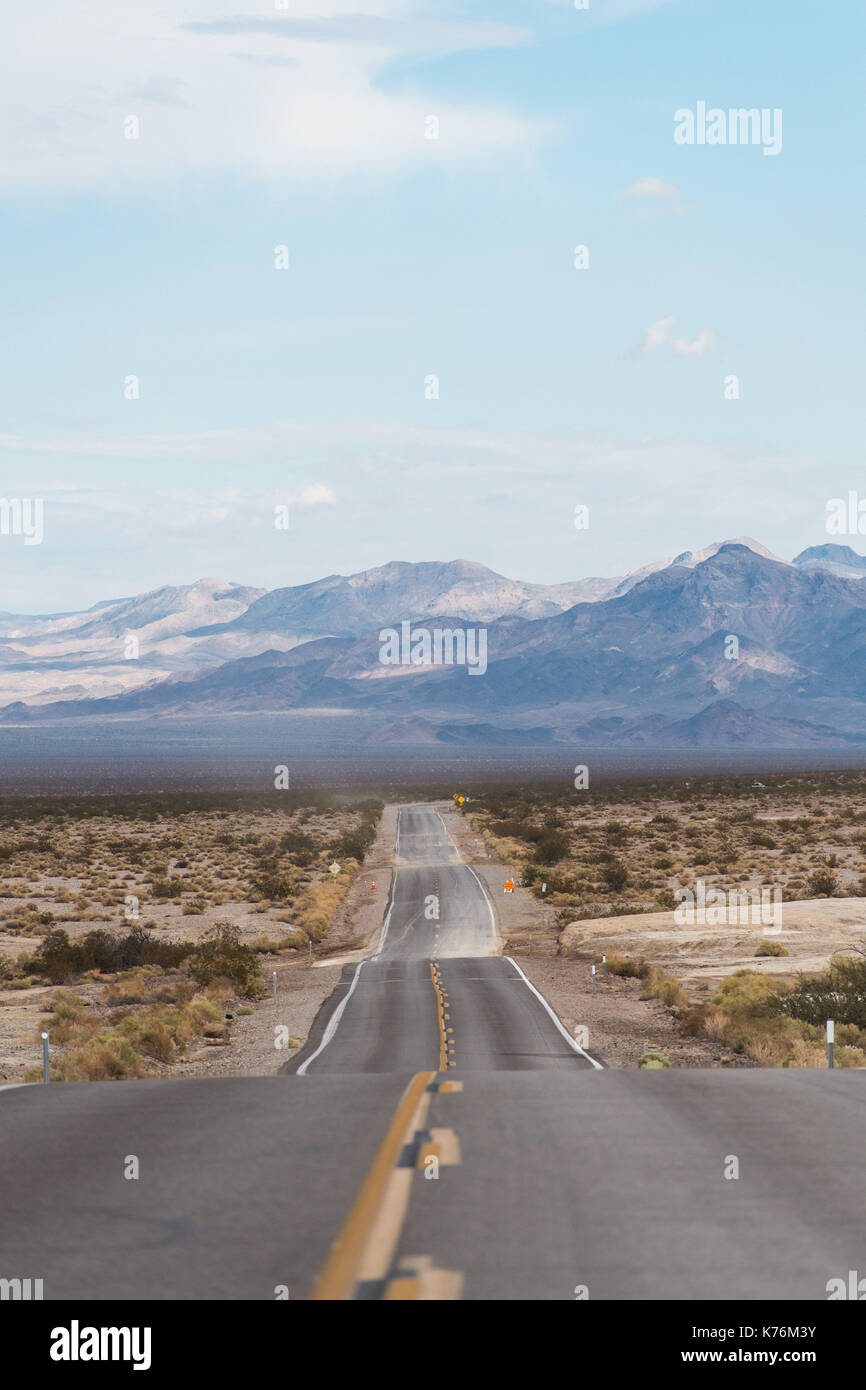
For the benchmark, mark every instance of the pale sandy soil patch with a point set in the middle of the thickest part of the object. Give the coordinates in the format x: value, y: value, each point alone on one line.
x: 811, y: 932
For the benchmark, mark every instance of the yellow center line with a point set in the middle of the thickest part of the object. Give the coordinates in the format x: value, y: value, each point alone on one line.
x: 443, y: 1056
x: 342, y: 1268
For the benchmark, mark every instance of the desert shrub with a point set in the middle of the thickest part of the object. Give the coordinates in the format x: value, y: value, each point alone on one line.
x: 821, y: 883
x: 616, y: 833
x: 166, y: 887
x: 516, y: 830
x: 662, y: 987
x: 149, y: 1036
x: 615, y: 875
x: 55, y: 958
x: 692, y: 1021
x: 771, y: 948
x: 317, y: 904
x: 70, y: 1019
x: 759, y: 839
x: 751, y: 1014
x: 132, y: 987
x: 745, y: 992
x: 297, y: 842
x: 59, y: 960
x: 551, y: 847
x: 356, y: 843
x: 838, y: 993
x: 273, y: 882
x: 221, y: 954
x: 653, y: 1061
x: 619, y: 964
x: 105, y: 1057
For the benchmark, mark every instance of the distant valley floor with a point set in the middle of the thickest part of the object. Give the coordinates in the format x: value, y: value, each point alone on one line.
x: 241, y: 753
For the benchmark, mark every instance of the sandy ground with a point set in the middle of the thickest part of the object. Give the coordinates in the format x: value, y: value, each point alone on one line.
x: 810, y: 931
x: 20, y: 1045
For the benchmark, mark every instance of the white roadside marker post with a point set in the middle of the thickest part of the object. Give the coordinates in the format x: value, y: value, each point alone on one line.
x: 831, y: 1039
x: 275, y: 989
x: 46, y: 1070
x: 593, y: 979
x: 604, y: 967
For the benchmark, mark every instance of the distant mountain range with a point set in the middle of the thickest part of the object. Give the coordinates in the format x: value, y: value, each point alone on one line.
x: 719, y: 647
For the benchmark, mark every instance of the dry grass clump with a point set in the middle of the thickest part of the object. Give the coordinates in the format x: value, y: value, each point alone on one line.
x: 317, y: 904
x: 121, y: 1045
x: 757, y: 1015
x: 656, y: 984
x: 775, y: 1023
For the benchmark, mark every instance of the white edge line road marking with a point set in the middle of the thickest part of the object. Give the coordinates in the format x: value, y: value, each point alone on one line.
x: 484, y: 893
x: 570, y: 1040
x: 387, y: 922
x: 14, y: 1085
x: 380, y: 948
x: 333, y: 1022
x: 447, y: 834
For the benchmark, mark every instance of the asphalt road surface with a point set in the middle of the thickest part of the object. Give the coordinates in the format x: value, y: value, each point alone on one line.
x: 437, y: 955
x: 439, y: 1137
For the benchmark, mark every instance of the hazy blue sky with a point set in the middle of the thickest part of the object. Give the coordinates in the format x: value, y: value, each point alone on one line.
x: 261, y: 126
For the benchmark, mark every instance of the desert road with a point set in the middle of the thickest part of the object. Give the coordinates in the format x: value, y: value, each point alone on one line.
x: 440, y: 1136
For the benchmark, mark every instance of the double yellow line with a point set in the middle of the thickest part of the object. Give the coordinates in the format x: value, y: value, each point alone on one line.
x: 440, y: 1014
x: 364, y: 1249
x: 365, y: 1246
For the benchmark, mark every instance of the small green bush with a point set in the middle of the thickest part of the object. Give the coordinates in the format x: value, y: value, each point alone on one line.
x: 222, y: 956
x: 653, y: 1061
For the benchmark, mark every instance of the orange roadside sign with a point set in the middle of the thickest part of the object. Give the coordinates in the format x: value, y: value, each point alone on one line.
x: 509, y: 885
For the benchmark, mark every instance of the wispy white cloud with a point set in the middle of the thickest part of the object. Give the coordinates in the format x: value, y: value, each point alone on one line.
x: 657, y: 334
x: 656, y: 193
x: 661, y: 334
x: 315, y: 495
x: 700, y: 346
x: 309, y: 99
